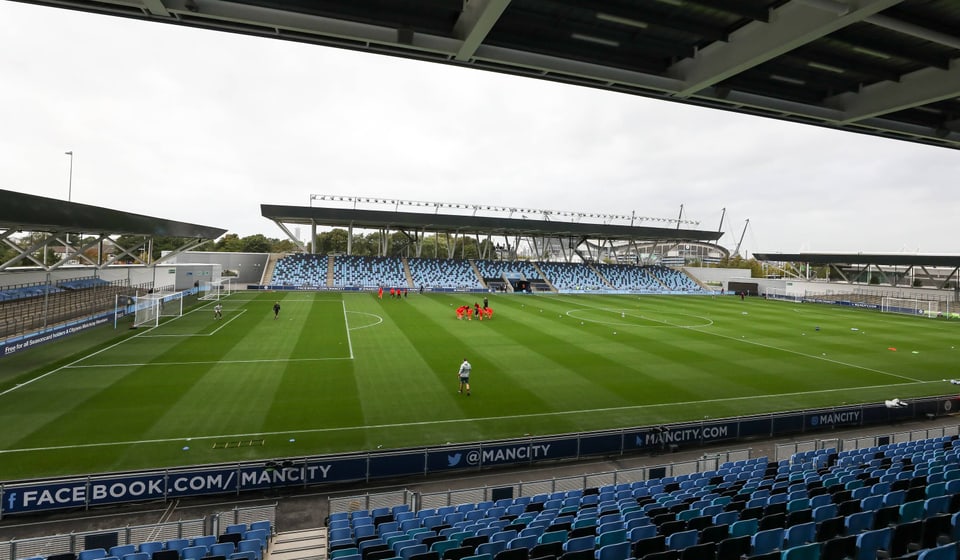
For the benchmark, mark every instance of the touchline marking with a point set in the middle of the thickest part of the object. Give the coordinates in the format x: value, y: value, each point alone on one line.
x: 451, y: 421
x: 207, y: 363
x: 347, y: 323
x: 798, y: 353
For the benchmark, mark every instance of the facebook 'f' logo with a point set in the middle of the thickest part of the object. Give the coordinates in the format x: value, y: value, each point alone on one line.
x: 11, y: 500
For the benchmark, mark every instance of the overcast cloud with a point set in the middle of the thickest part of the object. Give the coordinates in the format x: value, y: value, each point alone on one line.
x: 203, y: 127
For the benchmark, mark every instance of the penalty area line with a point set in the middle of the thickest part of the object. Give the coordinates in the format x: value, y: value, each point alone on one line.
x: 440, y: 422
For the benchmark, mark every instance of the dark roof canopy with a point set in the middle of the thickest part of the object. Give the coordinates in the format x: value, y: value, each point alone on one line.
x: 413, y: 221
x: 887, y: 259
x: 882, y: 67
x: 28, y: 212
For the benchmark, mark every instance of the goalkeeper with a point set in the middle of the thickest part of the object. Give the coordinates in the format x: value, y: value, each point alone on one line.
x: 464, y: 376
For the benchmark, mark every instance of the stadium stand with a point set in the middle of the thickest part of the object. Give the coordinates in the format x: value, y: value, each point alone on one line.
x: 896, y: 500
x: 369, y: 272
x: 443, y: 274
x: 498, y: 274
x: 572, y: 277
x: 674, y: 280
x: 629, y: 277
x: 458, y: 274
x: 300, y: 269
x: 25, y: 292
x: 40, y: 306
x: 497, y: 269
x: 238, y: 542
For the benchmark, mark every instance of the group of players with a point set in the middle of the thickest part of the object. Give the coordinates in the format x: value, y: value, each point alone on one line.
x: 394, y: 293
x: 476, y: 310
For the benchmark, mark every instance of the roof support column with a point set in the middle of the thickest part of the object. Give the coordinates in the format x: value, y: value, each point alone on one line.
x: 946, y: 279
x: 838, y: 271
x: 350, y: 239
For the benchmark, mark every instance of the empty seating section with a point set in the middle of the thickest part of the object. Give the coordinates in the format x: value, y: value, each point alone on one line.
x: 26, y: 309
x: 569, y: 276
x: 496, y: 269
x: 459, y: 274
x: 892, y: 501
x: 369, y: 272
x: 443, y: 273
x: 629, y: 277
x: 82, y: 283
x: 300, y: 270
x: 238, y: 542
x: 24, y: 292
x: 674, y: 280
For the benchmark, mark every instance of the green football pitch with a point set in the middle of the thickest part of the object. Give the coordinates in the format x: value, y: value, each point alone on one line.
x: 339, y: 372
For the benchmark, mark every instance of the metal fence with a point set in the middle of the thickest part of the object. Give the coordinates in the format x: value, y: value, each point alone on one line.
x: 563, y: 484
x: 245, y: 515
x: 74, y: 542
x: 784, y: 451
x: 183, y: 529
x: 27, y: 315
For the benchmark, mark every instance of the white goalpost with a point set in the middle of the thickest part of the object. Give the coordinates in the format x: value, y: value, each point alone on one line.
x: 149, y: 308
x: 146, y: 311
x: 217, y: 287
x: 213, y: 291
x: 910, y: 306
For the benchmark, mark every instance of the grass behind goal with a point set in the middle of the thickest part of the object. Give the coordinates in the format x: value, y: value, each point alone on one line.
x: 346, y: 372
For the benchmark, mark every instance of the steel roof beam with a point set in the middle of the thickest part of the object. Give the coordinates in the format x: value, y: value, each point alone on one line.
x: 919, y: 88
x: 914, y: 30
x: 218, y: 13
x: 791, y: 26
x: 155, y: 8
x: 474, y: 24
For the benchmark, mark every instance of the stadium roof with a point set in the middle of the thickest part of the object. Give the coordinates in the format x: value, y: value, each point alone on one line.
x: 888, y: 259
x: 377, y: 219
x: 881, y: 67
x: 26, y: 212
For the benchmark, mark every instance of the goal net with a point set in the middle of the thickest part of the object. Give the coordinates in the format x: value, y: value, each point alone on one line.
x: 212, y: 291
x: 146, y: 310
x: 910, y: 306
x: 149, y: 308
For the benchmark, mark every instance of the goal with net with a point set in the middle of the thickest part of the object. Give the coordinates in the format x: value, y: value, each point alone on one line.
x: 910, y: 306
x: 215, y: 290
x: 149, y: 308
x: 217, y: 287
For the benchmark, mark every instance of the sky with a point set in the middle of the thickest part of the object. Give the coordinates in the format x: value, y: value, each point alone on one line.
x: 203, y: 127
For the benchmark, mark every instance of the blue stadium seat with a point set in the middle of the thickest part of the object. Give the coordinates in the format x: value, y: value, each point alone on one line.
x: 616, y: 551
x: 766, y: 541
x: 870, y: 542
x: 945, y: 552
